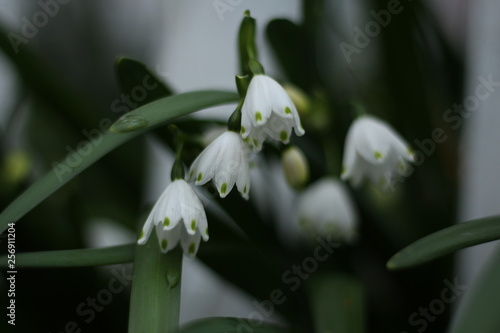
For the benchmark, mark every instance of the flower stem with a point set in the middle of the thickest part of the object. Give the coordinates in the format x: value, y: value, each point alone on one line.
x: 156, y: 287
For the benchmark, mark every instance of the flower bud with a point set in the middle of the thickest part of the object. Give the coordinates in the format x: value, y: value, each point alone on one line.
x: 295, y: 167
x: 299, y: 98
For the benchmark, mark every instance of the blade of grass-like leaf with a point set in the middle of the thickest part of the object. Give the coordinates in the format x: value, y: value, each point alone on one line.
x: 156, y: 286
x: 154, y: 114
x: 75, y: 258
x: 337, y: 303
x: 231, y: 325
x: 479, y: 310
x: 447, y: 241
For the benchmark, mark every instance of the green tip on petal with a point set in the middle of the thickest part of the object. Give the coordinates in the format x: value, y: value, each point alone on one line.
x: 164, y: 244
x: 343, y: 170
x: 283, y: 135
x: 378, y: 155
x: 288, y: 110
x: 166, y: 222
x: 206, y: 231
x: 223, y: 188
x: 245, y: 189
x: 193, y: 225
x: 191, y: 249
x: 142, y: 234
x: 255, y: 142
x: 243, y: 130
x: 258, y: 116
x: 200, y: 176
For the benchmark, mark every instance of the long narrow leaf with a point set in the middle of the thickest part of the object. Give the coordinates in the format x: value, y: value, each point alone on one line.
x: 447, y: 241
x: 74, y: 258
x: 150, y: 115
x: 155, y: 298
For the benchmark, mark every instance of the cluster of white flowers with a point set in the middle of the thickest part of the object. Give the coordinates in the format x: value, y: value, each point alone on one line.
x: 372, y: 150
x: 267, y: 112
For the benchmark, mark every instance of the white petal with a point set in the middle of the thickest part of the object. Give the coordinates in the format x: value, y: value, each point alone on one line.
x: 146, y: 231
x: 191, y: 208
x: 168, y: 239
x: 370, y: 140
x: 190, y: 243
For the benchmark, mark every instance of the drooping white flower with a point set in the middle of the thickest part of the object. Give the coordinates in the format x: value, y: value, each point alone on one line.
x: 268, y: 112
x: 374, y: 150
x: 325, y: 209
x: 225, y: 160
x: 178, y: 215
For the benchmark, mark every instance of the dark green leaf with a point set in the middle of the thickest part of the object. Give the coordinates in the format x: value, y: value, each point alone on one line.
x: 134, y: 76
x: 156, y: 289
x: 447, y: 241
x: 75, y: 258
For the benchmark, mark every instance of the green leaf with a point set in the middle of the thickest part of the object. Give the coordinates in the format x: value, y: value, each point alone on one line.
x: 74, y: 258
x: 337, y: 303
x: 156, y: 289
x: 134, y: 76
x: 447, y: 241
x: 478, y: 312
x: 285, y: 37
x: 155, y: 114
x: 230, y: 325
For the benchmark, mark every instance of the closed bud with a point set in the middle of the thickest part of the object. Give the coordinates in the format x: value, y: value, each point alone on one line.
x: 295, y: 167
x: 299, y: 98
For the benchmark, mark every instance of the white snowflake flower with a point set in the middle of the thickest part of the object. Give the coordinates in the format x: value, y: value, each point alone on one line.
x: 374, y: 150
x: 225, y: 160
x: 325, y: 208
x: 268, y: 111
x: 178, y: 203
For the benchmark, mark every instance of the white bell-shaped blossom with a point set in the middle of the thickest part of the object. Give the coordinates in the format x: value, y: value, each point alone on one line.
x: 374, y: 150
x: 178, y: 215
x: 268, y: 112
x: 324, y: 209
x: 225, y: 160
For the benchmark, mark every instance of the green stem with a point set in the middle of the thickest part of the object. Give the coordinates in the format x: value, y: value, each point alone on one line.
x: 156, y: 288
